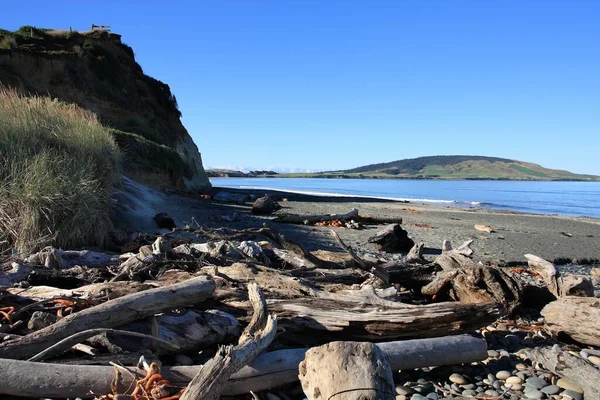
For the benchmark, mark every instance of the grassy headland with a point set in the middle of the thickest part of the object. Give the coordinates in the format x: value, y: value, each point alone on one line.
x: 57, y: 167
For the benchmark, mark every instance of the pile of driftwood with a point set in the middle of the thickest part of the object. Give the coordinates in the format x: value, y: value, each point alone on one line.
x: 204, y: 313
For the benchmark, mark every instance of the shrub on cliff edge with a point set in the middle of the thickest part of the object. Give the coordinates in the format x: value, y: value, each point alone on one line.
x: 57, y: 165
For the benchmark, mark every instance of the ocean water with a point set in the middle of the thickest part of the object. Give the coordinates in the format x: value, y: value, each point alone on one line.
x: 562, y: 198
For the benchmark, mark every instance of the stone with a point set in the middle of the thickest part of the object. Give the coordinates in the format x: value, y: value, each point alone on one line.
x: 265, y: 205
x: 571, y: 395
x: 536, y: 383
x: 594, y: 360
x: 521, y: 366
x: 550, y: 390
x: 433, y: 396
x: 457, y: 379
x: 493, y: 353
x: 502, y: 375
x: 514, y: 379
x: 514, y: 386
x: 469, y: 393
x: 404, y: 390
x: 492, y: 393
x: 163, y: 221
x: 533, y: 393
x: 401, y: 397
x: 271, y: 396
x: 568, y: 385
x: 417, y: 396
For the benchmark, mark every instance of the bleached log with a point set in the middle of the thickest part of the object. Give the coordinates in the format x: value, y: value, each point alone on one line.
x: 61, y: 259
x: 349, y: 370
x: 343, y: 318
x: 576, y: 316
x: 33, y: 379
x: 110, y: 314
x: 572, y: 368
x: 312, y: 219
x: 258, y: 335
x: 559, y: 285
x: 111, y: 290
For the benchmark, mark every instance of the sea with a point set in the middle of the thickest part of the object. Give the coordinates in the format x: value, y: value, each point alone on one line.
x: 561, y: 198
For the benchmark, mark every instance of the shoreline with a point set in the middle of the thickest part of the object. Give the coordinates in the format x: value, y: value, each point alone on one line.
x: 559, y: 239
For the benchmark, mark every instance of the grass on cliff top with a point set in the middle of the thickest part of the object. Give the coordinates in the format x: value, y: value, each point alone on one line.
x: 57, y: 165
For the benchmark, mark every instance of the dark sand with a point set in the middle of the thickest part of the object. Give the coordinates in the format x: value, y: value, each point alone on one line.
x: 515, y: 234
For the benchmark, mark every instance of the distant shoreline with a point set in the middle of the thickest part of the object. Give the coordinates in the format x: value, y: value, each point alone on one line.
x: 416, y: 178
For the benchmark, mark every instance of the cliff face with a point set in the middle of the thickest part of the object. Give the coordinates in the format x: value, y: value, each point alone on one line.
x: 96, y: 71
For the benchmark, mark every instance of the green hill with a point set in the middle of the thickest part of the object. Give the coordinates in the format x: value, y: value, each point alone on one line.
x: 453, y: 167
x: 466, y: 167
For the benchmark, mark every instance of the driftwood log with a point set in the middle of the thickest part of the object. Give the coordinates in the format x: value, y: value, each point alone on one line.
x: 33, y: 379
x: 351, y: 215
x: 258, y: 335
x: 347, y: 370
x: 464, y: 280
x: 559, y: 285
x: 366, y: 266
x: 110, y: 314
x: 572, y: 368
x: 576, y: 316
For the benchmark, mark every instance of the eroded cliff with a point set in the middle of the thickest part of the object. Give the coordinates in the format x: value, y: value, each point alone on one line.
x: 98, y: 72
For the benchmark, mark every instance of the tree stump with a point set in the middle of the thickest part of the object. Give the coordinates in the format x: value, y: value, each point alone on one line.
x: 392, y: 239
x: 346, y: 370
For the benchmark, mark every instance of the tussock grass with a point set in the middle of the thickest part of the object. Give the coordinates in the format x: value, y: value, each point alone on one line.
x: 57, y: 165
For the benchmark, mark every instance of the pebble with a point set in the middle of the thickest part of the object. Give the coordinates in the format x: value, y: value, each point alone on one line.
x: 493, y: 353
x: 514, y: 386
x: 401, y: 397
x: 502, y: 375
x: 550, y: 390
x: 469, y: 393
x: 534, y: 394
x: 514, y: 379
x: 567, y: 385
x: 404, y: 390
x: 271, y: 396
x: 594, y: 360
x: 536, y: 383
x: 521, y: 366
x: 458, y: 379
x: 492, y: 393
x: 433, y: 396
x: 417, y: 396
x: 569, y: 394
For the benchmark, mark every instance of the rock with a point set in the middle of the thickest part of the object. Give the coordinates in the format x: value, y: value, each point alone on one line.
x: 536, y: 383
x: 404, y: 390
x: 251, y: 249
x: 571, y: 395
x: 271, y: 396
x: 265, y: 205
x: 164, y: 221
x: 392, y: 239
x: 594, y: 360
x: 458, y: 379
x: 502, y: 375
x: 401, y: 397
x: 531, y: 393
x: 568, y: 385
x: 417, y: 396
x: 433, y: 396
x: 16, y: 273
x: 550, y: 390
x: 595, y: 272
x: 514, y: 379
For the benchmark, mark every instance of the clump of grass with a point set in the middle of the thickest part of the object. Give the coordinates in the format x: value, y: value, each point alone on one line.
x: 57, y: 165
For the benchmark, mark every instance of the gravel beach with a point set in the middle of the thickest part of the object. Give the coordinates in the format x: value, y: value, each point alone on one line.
x: 560, y: 239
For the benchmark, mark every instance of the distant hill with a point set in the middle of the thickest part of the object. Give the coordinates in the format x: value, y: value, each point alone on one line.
x: 463, y: 167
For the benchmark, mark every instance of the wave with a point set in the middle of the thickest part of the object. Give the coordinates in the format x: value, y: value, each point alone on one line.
x: 334, y: 194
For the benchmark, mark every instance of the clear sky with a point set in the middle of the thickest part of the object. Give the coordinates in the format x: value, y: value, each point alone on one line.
x: 337, y: 84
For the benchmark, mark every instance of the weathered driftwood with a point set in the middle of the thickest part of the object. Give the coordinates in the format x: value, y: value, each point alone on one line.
x: 346, y: 370
x: 313, y: 219
x: 33, y: 379
x: 466, y: 281
x: 392, y: 239
x: 351, y: 215
x: 576, y: 316
x: 112, y: 313
x: 412, y: 276
x: 366, y: 266
x: 572, y: 368
x: 111, y: 290
x: 258, y: 335
x: 558, y: 285
x: 188, y: 331
x: 340, y: 317
x: 60, y: 259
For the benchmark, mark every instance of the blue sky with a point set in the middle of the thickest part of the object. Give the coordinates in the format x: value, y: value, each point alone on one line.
x: 332, y: 84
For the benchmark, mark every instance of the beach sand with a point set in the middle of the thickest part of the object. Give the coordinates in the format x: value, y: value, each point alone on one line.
x: 559, y: 239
